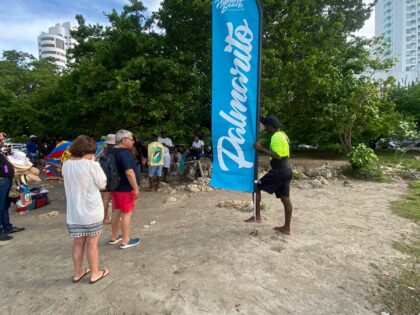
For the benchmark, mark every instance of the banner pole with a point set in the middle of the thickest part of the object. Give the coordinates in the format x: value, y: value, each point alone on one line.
x: 257, y: 129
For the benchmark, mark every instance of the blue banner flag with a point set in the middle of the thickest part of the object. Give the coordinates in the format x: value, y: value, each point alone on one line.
x: 235, y: 87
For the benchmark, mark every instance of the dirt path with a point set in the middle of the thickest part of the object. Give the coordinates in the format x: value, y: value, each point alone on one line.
x: 201, y: 259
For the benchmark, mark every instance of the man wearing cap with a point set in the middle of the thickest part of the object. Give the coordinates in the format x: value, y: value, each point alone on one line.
x: 278, y: 179
x: 6, y: 175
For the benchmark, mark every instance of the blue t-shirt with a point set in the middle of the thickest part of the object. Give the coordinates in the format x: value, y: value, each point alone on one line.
x: 31, y: 147
x: 125, y: 161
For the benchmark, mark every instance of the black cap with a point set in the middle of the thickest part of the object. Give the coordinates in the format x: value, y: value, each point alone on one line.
x: 271, y: 121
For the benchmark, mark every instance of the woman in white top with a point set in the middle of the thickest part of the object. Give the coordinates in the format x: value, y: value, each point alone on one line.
x: 83, y: 178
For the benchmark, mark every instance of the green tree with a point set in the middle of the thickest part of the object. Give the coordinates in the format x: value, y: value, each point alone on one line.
x: 407, y: 100
x: 25, y: 84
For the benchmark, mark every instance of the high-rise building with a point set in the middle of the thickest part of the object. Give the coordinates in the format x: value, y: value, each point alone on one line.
x: 55, y: 43
x: 399, y: 21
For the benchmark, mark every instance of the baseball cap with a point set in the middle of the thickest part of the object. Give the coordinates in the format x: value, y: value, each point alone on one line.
x: 110, y: 139
x: 271, y: 121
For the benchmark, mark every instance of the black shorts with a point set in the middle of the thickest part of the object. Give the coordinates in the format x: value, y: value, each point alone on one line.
x: 276, y: 181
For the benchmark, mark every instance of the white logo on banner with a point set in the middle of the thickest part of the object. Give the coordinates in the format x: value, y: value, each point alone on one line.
x: 239, y: 43
x: 225, y: 5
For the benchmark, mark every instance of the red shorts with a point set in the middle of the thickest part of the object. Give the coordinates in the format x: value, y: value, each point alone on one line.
x: 123, y: 201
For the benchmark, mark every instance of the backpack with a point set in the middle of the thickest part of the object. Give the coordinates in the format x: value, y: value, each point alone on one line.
x: 109, y: 166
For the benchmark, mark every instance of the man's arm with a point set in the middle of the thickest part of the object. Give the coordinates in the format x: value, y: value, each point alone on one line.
x: 272, y: 154
x: 131, y: 176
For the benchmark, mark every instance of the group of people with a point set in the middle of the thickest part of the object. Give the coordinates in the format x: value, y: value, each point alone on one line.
x: 88, y: 194
x: 84, y: 179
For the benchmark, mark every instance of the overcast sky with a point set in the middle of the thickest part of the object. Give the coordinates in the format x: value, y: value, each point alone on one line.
x: 21, y: 21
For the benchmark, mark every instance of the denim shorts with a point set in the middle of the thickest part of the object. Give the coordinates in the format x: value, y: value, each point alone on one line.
x: 155, y: 171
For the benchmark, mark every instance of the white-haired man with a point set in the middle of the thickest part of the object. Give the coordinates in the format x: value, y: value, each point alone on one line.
x: 124, y: 196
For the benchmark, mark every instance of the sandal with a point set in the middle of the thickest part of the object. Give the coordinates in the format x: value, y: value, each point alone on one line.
x: 87, y: 271
x: 104, y: 274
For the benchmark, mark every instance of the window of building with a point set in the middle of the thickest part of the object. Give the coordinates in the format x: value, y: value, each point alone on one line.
x: 59, y: 43
x: 47, y: 38
x: 47, y: 45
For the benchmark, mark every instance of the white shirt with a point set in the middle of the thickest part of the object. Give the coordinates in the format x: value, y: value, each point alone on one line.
x: 82, y: 181
x: 166, y: 141
x: 198, y: 145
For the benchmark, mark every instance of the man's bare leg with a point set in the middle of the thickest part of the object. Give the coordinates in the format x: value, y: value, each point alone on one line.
x: 257, y: 209
x: 288, y: 209
x: 115, y: 221
x: 125, y: 227
x: 106, y: 196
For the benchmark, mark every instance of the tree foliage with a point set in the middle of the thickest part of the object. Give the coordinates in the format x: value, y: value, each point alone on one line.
x: 407, y: 100
x: 147, y: 73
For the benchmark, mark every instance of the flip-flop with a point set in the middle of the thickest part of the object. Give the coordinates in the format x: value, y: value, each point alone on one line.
x: 104, y: 274
x: 87, y: 271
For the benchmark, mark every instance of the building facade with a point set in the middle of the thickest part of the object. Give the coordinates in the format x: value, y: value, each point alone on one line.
x: 399, y: 22
x: 55, y: 43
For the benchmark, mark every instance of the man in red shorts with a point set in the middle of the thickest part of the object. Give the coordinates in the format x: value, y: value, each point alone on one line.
x: 124, y: 196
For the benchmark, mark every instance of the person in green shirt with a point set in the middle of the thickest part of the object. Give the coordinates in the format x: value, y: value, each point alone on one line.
x: 277, y: 180
x: 155, y: 158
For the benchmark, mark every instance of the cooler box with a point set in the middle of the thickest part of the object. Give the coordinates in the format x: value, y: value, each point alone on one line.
x: 39, y: 199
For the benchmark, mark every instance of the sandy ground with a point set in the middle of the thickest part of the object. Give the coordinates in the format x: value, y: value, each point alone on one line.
x: 202, y: 259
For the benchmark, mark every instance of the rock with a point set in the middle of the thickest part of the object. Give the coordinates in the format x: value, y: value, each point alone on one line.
x: 180, y: 187
x: 171, y: 199
x: 413, y: 174
x: 163, y: 184
x: 322, y: 180
x: 303, y: 185
x: 316, y: 183
x: 192, y: 188
x: 417, y: 157
x: 298, y: 175
x: 347, y: 183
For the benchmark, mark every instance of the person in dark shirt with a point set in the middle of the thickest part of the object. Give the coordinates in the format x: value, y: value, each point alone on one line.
x: 124, y: 196
x: 32, y: 150
x: 277, y: 180
x: 6, y: 176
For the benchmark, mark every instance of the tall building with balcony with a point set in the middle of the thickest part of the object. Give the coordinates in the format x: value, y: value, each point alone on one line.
x: 55, y: 43
x: 399, y: 21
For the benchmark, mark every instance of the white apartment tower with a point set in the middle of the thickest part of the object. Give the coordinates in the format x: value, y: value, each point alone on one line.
x: 399, y: 21
x: 55, y: 43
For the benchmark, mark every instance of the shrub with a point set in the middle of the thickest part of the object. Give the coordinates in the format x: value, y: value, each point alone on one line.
x: 361, y: 156
x: 365, y: 163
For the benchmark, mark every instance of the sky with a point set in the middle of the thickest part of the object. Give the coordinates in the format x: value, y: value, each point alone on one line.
x: 21, y: 21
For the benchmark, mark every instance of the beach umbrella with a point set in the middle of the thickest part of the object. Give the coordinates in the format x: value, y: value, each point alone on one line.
x: 59, y: 155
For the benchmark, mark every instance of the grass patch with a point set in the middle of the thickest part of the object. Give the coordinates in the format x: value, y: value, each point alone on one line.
x: 412, y: 249
x: 400, y: 291
x: 409, y: 206
x: 391, y: 158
